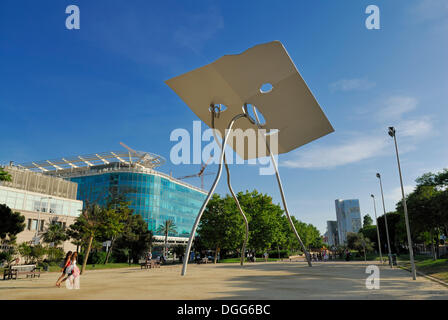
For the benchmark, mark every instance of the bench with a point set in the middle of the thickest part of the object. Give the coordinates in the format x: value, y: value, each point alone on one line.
x: 13, y: 272
x: 202, y: 260
x: 150, y: 264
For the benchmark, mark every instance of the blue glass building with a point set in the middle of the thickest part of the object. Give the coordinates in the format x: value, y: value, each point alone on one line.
x: 154, y: 195
x: 348, y: 217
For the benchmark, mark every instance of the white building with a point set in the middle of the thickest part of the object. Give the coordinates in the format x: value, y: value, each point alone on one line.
x: 43, y: 200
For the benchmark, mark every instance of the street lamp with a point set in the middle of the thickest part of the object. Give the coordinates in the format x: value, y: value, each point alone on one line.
x: 377, y: 229
x: 385, y: 220
x: 408, y: 231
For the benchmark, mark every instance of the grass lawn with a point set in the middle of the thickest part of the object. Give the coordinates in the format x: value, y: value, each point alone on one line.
x: 437, y: 269
x: 369, y: 257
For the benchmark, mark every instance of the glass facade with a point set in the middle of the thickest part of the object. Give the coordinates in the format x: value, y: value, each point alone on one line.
x: 153, y: 196
x: 29, y: 201
x: 348, y: 216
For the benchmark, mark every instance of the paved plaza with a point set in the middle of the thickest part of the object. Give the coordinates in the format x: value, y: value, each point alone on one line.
x: 272, y: 280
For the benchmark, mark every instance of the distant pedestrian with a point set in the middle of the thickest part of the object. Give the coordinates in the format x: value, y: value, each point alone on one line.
x: 265, y: 257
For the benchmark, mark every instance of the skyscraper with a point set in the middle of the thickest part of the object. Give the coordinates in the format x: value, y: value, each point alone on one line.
x: 348, y: 217
x: 332, y: 233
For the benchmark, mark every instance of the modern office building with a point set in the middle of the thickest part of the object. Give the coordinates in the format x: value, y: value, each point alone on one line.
x: 43, y: 200
x: 348, y: 217
x: 332, y: 233
x: 154, y: 195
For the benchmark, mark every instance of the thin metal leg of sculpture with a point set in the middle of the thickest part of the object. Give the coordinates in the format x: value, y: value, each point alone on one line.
x: 274, y: 163
x: 210, y: 193
x: 285, y: 206
x: 243, y: 250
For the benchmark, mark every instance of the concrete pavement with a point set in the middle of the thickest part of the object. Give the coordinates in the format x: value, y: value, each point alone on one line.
x: 272, y: 280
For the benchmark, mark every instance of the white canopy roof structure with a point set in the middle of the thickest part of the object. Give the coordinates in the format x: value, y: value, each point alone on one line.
x: 139, y: 158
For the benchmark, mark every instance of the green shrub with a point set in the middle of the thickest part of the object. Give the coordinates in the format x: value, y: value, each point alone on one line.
x: 55, y: 254
x: 97, y: 257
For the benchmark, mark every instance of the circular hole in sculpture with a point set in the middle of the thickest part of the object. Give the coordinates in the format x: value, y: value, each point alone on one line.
x: 266, y: 87
x: 254, y: 114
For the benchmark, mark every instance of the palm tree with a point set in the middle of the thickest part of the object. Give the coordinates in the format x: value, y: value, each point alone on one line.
x: 55, y: 234
x: 167, y: 227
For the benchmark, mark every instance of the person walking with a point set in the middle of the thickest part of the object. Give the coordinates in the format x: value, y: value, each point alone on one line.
x: 73, y: 278
x: 265, y: 257
x: 64, y: 264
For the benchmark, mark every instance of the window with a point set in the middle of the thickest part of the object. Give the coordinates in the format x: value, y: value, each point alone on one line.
x: 29, y: 224
x: 33, y: 225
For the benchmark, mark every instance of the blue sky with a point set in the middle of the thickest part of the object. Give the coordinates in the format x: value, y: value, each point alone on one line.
x: 68, y: 92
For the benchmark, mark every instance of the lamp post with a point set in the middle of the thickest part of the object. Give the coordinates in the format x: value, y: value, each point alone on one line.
x: 377, y: 229
x: 408, y: 231
x: 385, y: 221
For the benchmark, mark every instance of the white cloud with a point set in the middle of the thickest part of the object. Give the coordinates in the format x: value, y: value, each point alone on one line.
x: 395, y: 194
x: 393, y: 112
x: 351, y: 84
x: 417, y: 128
x: 395, y: 107
x: 350, y: 151
x: 363, y: 146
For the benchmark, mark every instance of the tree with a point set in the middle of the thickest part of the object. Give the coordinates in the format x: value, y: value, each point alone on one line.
x: 54, y: 234
x: 4, y: 175
x: 168, y: 227
x: 264, y: 219
x: 367, y: 221
x: 357, y: 241
x: 115, y: 217
x: 25, y: 251
x: 221, y: 226
x: 89, y: 225
x: 76, y: 234
x: 38, y: 252
x: 370, y: 233
x: 352, y: 239
x: 11, y: 223
x: 427, y: 207
x: 135, y: 239
x: 396, y: 228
